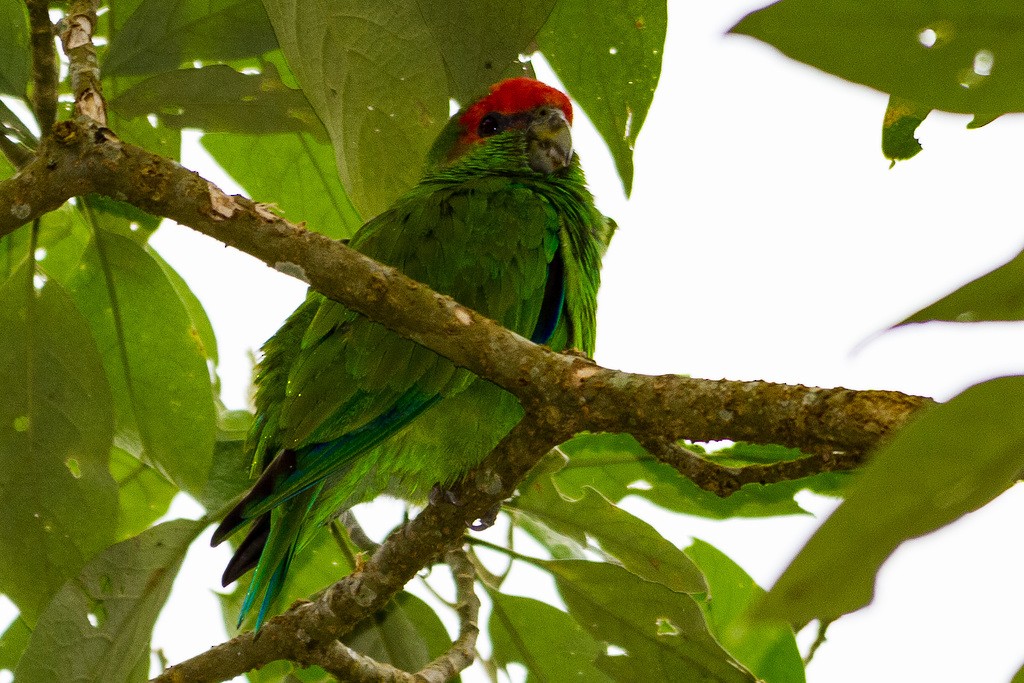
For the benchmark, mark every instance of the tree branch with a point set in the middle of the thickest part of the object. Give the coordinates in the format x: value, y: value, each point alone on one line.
x: 44, y: 65
x: 562, y: 394
x: 76, y: 31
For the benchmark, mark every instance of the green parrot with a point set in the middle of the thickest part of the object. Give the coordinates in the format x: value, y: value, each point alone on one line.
x: 346, y: 410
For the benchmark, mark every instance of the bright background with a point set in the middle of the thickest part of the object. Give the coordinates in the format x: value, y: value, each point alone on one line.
x: 766, y: 238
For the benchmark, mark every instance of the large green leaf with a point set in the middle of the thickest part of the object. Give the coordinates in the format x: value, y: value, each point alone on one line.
x: 640, y: 548
x: 98, y: 627
x: 477, y: 50
x: 617, y: 466
x: 59, y: 500
x: 998, y: 295
x: 546, y: 640
x: 154, y: 357
x: 160, y: 35
x: 954, y: 56
x: 373, y: 74
x: 14, y: 48
x: 768, y: 650
x: 662, y: 632
x: 622, y: 40
x: 948, y: 461
x: 217, y: 98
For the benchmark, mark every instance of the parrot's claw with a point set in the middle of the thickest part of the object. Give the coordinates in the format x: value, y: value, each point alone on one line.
x: 440, y: 495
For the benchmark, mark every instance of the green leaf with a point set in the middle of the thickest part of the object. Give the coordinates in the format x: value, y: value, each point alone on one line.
x: 934, y: 54
x: 374, y: 76
x: 144, y: 494
x: 217, y: 98
x: 302, y: 182
x: 201, y: 325
x: 768, y: 650
x: 14, y: 48
x: 546, y: 640
x: 622, y: 40
x: 902, y: 117
x: 617, y: 466
x: 949, y: 460
x: 98, y: 627
x: 154, y: 357
x: 229, y: 475
x: 662, y: 632
x: 640, y: 548
x: 478, y: 51
x: 13, y: 643
x: 998, y: 295
x: 56, y: 426
x: 160, y: 35
x: 406, y: 634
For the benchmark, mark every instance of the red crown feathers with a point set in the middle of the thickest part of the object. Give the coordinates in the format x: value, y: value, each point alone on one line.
x: 511, y: 96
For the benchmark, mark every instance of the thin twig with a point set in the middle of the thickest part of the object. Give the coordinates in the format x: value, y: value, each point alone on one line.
x: 467, y: 605
x: 44, y: 65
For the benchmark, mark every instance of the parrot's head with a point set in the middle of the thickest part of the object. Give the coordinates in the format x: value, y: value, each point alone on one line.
x: 527, y: 110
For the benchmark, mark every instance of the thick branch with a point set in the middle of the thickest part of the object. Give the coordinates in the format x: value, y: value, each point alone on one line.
x: 44, y: 64
x: 562, y: 394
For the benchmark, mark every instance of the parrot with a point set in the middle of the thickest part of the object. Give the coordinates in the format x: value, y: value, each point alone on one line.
x: 346, y: 410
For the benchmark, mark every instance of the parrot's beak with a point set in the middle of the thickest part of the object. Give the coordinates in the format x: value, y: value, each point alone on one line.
x: 548, y: 140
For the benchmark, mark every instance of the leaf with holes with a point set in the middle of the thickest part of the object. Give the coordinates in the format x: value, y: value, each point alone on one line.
x: 98, y: 626
x: 662, y: 632
x: 768, y: 650
x: 959, y: 57
x: 622, y: 40
x: 56, y: 426
x: 373, y: 73
x: 154, y: 355
x: 544, y: 639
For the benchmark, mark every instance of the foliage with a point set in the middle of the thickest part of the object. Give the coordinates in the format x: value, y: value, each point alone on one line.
x: 110, y: 361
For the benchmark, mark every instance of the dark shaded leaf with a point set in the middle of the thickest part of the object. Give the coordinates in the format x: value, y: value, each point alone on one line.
x: 159, y: 35
x: 937, y: 55
x: 663, y: 632
x: 951, y: 459
x: 60, y: 502
x: 14, y: 48
x: 98, y: 627
x: 768, y: 650
x: 154, y: 357
x: 902, y: 117
x: 229, y: 474
x: 622, y: 40
x: 478, y: 50
x: 998, y: 295
x: 406, y: 634
x: 373, y: 74
x: 217, y: 98
x: 546, y: 640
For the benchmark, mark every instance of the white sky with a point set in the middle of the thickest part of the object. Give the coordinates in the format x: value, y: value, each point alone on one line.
x: 765, y: 239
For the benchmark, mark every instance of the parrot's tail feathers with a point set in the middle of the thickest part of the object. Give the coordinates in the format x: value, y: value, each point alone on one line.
x: 248, y: 554
x: 284, y: 536
x: 280, y: 467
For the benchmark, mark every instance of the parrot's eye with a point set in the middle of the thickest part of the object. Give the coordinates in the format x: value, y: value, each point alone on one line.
x: 490, y: 125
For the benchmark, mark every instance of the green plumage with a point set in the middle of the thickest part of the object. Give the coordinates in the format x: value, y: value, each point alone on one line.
x: 347, y: 410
